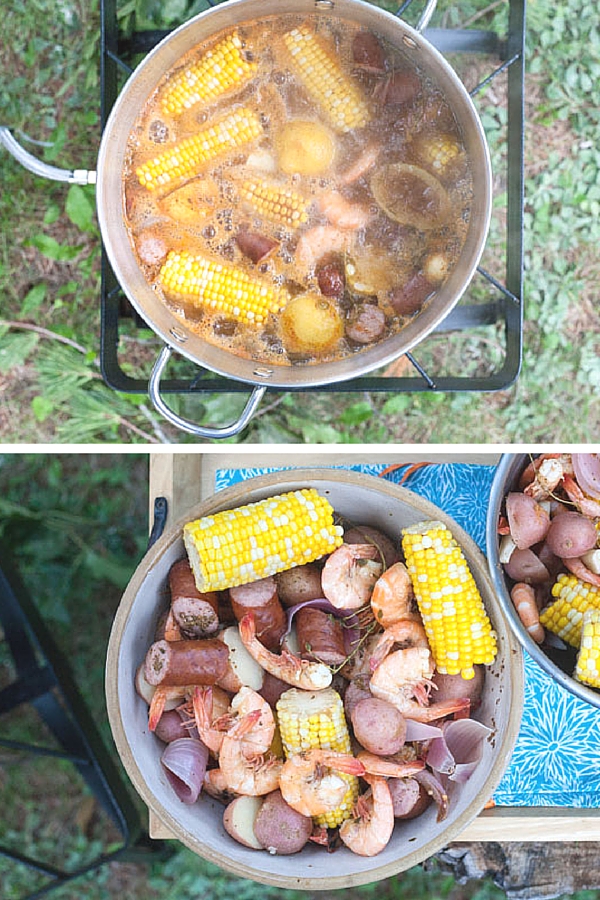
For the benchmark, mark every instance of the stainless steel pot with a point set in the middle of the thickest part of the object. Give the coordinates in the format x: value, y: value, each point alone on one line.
x: 506, y: 479
x: 114, y: 234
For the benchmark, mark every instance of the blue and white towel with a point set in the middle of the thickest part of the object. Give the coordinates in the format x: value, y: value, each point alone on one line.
x: 556, y: 760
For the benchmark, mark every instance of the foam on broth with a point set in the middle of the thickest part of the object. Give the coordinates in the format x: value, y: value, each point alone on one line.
x: 388, y: 266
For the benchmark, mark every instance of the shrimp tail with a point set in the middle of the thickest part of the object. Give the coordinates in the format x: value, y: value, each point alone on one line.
x: 157, y: 706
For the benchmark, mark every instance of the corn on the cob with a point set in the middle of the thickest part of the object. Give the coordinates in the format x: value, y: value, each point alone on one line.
x: 438, y: 152
x: 564, y: 617
x: 315, y: 720
x: 457, y: 626
x: 587, y: 668
x: 184, y: 159
x: 318, y: 69
x: 221, y: 69
x: 280, y: 204
x: 241, y: 545
x: 220, y: 288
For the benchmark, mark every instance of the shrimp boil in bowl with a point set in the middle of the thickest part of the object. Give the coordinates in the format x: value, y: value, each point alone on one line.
x: 306, y: 709
x: 544, y: 556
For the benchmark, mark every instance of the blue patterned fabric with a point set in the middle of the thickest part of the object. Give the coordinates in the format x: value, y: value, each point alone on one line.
x: 556, y: 760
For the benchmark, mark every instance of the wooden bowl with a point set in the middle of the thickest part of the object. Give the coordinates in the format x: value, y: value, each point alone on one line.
x: 363, y: 499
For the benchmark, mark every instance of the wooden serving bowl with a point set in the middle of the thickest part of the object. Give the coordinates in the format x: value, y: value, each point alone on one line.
x: 362, y: 499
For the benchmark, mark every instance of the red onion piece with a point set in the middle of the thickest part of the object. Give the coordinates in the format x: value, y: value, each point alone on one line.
x: 421, y: 731
x: 435, y: 789
x: 465, y: 738
x: 184, y: 762
x: 439, y: 757
x: 351, y: 626
x: 587, y: 472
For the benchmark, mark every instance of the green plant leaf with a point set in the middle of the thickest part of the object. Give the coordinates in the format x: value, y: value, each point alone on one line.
x: 357, y: 413
x: 42, y: 407
x: 50, y: 248
x: 15, y: 348
x: 79, y: 208
x: 33, y: 299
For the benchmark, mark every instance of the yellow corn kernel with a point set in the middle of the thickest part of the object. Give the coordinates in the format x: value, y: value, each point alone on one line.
x: 186, y: 158
x: 279, y: 204
x: 438, y: 152
x: 564, y: 617
x: 310, y: 720
x: 241, y: 545
x: 587, y: 668
x: 316, y: 65
x: 220, y: 288
x: 221, y: 69
x: 458, y: 629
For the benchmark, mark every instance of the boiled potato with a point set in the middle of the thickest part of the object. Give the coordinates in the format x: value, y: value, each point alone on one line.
x: 304, y: 148
x: 239, y: 820
x: 279, y: 828
x: 310, y: 324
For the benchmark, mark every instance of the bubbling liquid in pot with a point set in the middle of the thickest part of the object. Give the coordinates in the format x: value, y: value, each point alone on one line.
x: 296, y: 190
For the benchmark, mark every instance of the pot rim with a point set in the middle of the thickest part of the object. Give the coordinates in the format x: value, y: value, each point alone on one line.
x: 267, y: 485
x: 172, y: 330
x: 509, y: 466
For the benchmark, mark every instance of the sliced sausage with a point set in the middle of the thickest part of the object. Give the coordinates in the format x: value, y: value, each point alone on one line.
x: 366, y: 324
x: 261, y: 598
x: 320, y: 636
x: 196, y: 613
x: 186, y: 662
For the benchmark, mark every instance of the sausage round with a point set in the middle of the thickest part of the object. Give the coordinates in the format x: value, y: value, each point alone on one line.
x: 186, y: 662
x: 196, y: 613
x: 320, y: 636
x: 261, y: 598
x: 367, y: 324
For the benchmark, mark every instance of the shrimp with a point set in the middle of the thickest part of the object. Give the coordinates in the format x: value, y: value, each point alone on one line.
x: 216, y: 786
x: 363, y: 164
x: 257, y: 739
x: 404, y: 679
x: 318, y: 241
x: 301, y: 673
x: 211, y: 726
x: 308, y: 784
x: 578, y: 568
x: 170, y: 697
x: 388, y: 766
x: 548, y: 472
x: 349, y: 575
x: 586, y: 505
x: 341, y: 213
x: 523, y: 597
x: 254, y: 777
x: 368, y: 833
x: 393, y: 598
x: 408, y: 631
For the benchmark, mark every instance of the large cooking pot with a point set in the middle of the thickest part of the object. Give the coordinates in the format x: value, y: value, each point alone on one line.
x: 109, y: 195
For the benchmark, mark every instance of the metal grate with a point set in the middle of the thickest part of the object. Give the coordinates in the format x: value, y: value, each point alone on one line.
x: 499, y: 309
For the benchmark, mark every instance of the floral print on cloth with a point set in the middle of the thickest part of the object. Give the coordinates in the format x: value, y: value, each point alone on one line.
x: 555, y: 761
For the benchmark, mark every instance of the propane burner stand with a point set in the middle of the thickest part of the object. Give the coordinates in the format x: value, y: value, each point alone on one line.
x: 503, y: 312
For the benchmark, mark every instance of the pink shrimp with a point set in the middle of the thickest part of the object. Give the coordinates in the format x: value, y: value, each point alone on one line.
x: 300, y: 673
x: 586, y: 505
x: 393, y: 598
x: 408, y: 632
x: 210, y: 706
x: 349, y: 575
x: 368, y: 833
x: 389, y: 767
x: 341, y: 213
x: 362, y: 165
x: 308, y: 782
x: 259, y: 738
x: 578, y: 568
x: 523, y: 598
x: 254, y: 777
x: 404, y: 680
x: 167, y: 698
x: 318, y: 241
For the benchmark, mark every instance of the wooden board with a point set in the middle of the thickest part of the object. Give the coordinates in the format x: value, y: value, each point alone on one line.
x: 186, y: 478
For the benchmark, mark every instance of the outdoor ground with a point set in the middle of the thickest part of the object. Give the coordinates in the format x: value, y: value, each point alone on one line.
x: 51, y: 389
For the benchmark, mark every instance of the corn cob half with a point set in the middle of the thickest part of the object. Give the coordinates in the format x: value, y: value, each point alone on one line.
x: 310, y: 720
x: 457, y: 626
x: 186, y: 158
x: 220, y: 70
x: 221, y: 288
x: 241, y: 545
x: 564, y: 617
x: 587, y: 668
x: 279, y: 204
x: 316, y: 65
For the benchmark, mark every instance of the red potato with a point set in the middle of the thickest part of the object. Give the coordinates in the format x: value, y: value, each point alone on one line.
x: 364, y: 534
x: 570, y: 535
x: 242, y: 668
x: 454, y: 687
x: 378, y: 726
x: 524, y: 565
x: 355, y: 692
x: 528, y: 521
x: 409, y: 798
x: 299, y: 584
x: 239, y: 819
x: 279, y: 828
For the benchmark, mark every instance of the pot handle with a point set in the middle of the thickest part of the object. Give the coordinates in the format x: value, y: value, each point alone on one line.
x: 35, y: 165
x: 185, y: 424
x: 426, y: 15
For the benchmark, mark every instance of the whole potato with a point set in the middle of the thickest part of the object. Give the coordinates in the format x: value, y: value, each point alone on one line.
x: 528, y: 521
x: 299, y: 584
x: 571, y: 535
x: 364, y: 534
x: 454, y: 687
x: 524, y: 565
x: 378, y: 726
x: 279, y: 828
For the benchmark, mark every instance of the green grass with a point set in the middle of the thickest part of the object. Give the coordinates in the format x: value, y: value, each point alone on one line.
x: 50, y: 384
